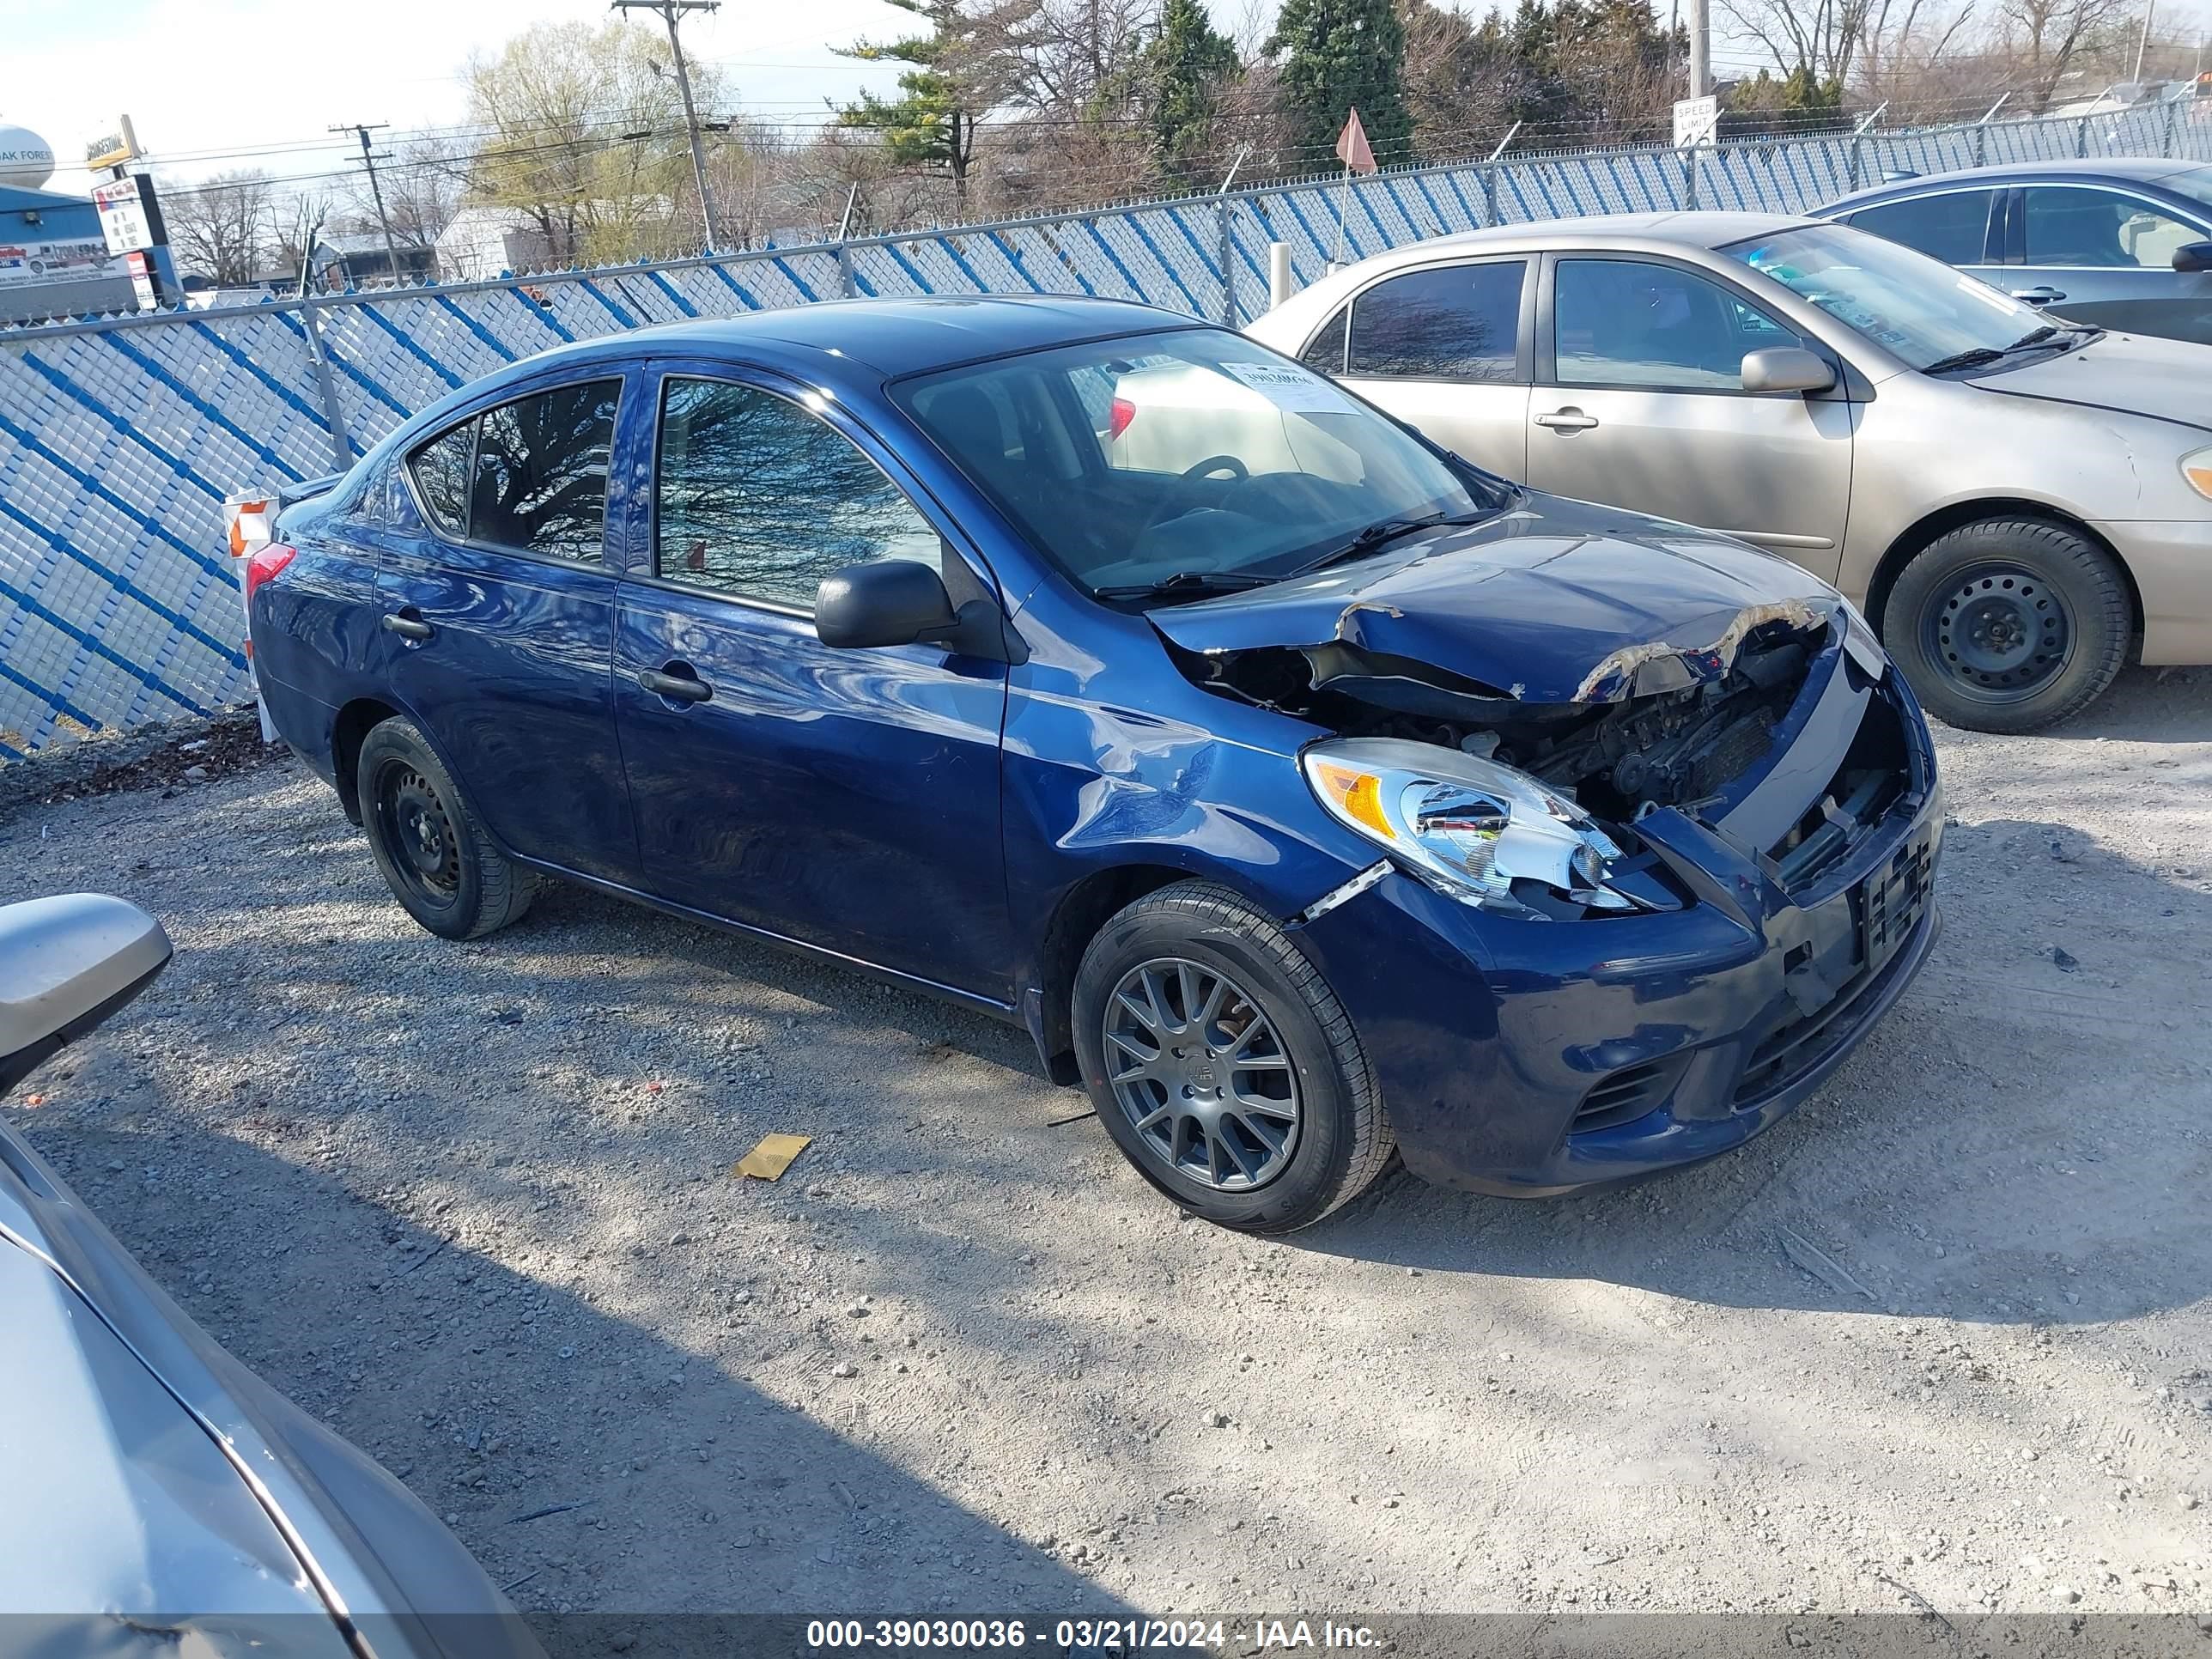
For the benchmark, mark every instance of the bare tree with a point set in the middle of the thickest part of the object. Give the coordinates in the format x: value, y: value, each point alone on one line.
x: 298, y: 227
x: 2048, y: 40
x: 1816, y: 39
x: 223, y: 229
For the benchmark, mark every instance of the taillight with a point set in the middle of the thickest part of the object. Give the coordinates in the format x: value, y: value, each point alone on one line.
x: 1119, y: 416
x: 262, y: 566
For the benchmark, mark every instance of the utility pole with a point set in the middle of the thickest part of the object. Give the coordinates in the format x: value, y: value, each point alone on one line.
x: 2142, y: 40
x: 669, y: 10
x: 1701, y: 48
x: 376, y: 191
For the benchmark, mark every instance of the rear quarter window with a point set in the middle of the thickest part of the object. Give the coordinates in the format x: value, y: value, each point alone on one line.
x: 441, y: 471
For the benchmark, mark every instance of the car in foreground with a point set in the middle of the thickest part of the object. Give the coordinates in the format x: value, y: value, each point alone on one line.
x: 1304, y: 791
x: 2016, y: 502
x: 2114, y: 243
x: 161, y: 1498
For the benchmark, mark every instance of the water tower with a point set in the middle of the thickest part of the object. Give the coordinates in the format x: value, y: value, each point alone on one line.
x: 27, y: 160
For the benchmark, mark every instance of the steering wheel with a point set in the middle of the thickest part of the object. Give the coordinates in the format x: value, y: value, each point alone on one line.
x: 1237, y: 471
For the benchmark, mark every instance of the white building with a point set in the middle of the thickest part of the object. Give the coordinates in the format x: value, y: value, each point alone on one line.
x: 481, y: 242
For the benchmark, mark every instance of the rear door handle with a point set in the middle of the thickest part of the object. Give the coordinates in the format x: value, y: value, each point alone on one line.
x: 683, y: 687
x: 408, y: 624
x: 1567, y: 419
x: 2045, y: 296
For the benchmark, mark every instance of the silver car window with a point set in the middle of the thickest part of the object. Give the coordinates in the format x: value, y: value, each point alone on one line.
x: 2099, y: 229
x: 1631, y: 322
x: 1950, y: 225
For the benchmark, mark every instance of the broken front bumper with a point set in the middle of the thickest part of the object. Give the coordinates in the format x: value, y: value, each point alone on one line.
x: 1534, y: 1058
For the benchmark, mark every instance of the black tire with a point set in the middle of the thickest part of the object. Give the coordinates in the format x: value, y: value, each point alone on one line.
x: 429, y: 843
x: 2009, y: 625
x: 1337, y: 1140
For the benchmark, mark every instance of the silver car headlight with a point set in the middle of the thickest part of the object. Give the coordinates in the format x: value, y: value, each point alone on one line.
x: 2197, y: 468
x: 1469, y: 826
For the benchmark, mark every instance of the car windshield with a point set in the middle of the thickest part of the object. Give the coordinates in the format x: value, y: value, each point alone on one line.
x: 2194, y: 183
x: 1189, y: 460
x: 1914, y: 307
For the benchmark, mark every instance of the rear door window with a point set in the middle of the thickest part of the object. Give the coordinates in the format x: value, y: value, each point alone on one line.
x: 539, y: 483
x: 1952, y: 225
x: 1447, y: 323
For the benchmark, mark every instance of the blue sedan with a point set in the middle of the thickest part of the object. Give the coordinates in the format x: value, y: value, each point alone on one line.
x: 2116, y: 243
x: 1307, y: 793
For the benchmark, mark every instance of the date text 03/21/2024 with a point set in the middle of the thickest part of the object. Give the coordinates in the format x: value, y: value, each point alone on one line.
x: 1084, y: 1635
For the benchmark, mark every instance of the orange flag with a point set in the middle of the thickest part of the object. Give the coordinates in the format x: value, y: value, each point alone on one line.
x: 1352, y: 147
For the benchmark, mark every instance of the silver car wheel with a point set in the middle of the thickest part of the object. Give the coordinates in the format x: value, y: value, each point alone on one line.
x: 1202, y: 1074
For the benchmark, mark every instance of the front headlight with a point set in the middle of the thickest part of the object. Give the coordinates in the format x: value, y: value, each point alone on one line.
x: 2197, y: 468
x: 1470, y: 827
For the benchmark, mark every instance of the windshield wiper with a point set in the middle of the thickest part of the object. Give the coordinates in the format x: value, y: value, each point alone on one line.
x: 1380, y: 534
x: 1976, y: 356
x: 1188, y: 584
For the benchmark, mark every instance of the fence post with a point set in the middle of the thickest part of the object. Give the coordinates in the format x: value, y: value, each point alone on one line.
x: 1228, y: 229
x: 2173, y: 110
x: 1489, y: 193
x: 2081, y: 137
x: 1690, y: 179
x: 326, y: 383
x: 846, y: 285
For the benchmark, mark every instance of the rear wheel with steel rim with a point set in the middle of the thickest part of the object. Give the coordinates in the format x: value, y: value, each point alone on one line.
x: 428, y: 842
x: 1222, y: 1064
x: 2007, y: 625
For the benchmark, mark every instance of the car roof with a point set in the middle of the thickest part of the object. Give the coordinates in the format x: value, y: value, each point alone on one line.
x: 2131, y: 169
x: 1683, y: 229
x: 886, y: 338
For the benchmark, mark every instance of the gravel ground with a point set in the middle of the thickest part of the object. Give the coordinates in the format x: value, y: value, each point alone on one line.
x: 472, y: 1204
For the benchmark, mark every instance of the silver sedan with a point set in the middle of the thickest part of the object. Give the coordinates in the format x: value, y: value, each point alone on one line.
x: 2020, y: 505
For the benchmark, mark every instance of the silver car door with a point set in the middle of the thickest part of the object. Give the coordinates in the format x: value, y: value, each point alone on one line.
x: 1639, y: 404
x: 2109, y: 254
x: 1443, y: 347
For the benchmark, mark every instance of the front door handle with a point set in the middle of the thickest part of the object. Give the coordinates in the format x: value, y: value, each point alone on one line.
x: 408, y: 624
x: 1569, y: 419
x: 2045, y: 296
x: 676, y: 683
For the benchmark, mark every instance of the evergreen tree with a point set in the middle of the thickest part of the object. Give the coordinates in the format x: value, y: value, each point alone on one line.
x: 1187, y: 65
x: 1337, y: 55
x: 932, y: 121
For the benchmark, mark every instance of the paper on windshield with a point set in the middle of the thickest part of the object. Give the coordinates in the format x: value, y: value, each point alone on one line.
x: 1292, y: 389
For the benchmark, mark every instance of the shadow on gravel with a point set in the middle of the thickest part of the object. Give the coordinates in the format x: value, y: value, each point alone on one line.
x: 2146, y: 705
x: 589, y: 1465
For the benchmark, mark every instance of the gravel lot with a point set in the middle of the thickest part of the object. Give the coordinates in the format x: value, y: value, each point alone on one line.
x: 472, y: 1204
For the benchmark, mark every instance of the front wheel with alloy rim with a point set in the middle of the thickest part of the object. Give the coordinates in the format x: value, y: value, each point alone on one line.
x: 2009, y: 624
x: 1222, y: 1065
x: 428, y: 842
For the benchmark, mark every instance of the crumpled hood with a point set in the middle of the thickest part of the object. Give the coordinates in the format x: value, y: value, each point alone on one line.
x: 2124, y: 372
x: 1552, y: 601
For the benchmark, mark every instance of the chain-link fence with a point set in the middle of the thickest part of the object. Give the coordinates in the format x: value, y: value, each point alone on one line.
x: 119, y: 438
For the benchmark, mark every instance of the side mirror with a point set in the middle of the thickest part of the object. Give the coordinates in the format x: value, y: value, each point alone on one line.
x: 886, y: 602
x: 1787, y: 368
x: 66, y: 963
x: 2193, y: 256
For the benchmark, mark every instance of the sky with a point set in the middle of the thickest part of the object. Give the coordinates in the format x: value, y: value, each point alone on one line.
x: 201, y: 81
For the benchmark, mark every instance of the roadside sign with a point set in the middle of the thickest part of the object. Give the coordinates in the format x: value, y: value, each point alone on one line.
x: 128, y: 217
x: 1697, y: 122
x: 113, y: 149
